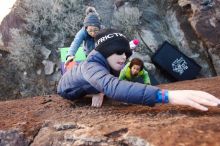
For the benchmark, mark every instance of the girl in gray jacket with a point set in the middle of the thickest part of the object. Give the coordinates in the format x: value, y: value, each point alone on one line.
x: 95, y: 76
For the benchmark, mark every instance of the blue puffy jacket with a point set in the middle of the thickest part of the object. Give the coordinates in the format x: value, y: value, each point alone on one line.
x: 88, y: 44
x: 93, y: 76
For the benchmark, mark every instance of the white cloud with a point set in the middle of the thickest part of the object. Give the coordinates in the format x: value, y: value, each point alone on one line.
x: 5, y: 7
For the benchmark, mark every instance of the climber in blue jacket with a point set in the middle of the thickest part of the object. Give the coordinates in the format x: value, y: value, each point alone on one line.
x: 85, y: 35
x: 95, y: 76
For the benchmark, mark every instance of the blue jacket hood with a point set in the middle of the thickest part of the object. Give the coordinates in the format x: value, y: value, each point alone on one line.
x: 95, y: 56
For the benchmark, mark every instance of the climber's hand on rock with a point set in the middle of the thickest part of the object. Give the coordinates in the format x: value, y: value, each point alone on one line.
x: 97, y: 100
x: 196, y: 99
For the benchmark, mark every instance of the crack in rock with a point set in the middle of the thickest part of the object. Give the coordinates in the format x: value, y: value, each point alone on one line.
x: 117, y: 133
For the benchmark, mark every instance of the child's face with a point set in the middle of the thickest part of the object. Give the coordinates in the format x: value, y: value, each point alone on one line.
x: 92, y: 30
x: 117, y: 61
x: 135, y: 69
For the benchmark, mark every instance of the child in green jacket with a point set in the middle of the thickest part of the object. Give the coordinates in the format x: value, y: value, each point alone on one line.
x: 134, y: 71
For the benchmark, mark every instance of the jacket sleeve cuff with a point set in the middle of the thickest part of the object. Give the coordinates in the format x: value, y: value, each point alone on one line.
x: 162, y: 96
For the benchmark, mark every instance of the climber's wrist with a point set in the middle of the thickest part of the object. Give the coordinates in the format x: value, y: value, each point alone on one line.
x: 162, y: 96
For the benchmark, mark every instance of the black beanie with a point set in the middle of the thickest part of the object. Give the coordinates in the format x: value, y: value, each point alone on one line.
x: 110, y: 41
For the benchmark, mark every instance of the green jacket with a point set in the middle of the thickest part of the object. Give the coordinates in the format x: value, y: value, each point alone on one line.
x: 125, y: 74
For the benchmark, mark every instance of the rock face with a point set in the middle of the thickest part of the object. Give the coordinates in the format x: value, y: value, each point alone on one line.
x: 11, y: 21
x: 34, y: 30
x: 51, y: 120
x: 12, y: 137
x: 205, y: 21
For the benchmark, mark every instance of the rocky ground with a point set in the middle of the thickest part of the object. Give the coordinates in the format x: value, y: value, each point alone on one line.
x: 51, y: 120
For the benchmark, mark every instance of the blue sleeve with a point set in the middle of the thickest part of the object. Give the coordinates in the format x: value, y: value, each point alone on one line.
x: 78, y: 40
x: 100, y: 78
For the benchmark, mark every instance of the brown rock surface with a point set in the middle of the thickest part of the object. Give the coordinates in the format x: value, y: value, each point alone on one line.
x: 51, y: 120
